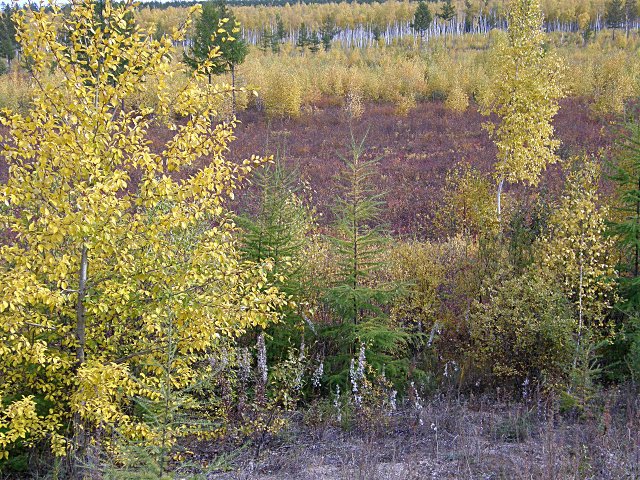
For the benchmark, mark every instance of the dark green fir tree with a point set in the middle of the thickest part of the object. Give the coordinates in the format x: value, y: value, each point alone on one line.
x: 422, y: 19
x: 614, y: 15
x: 8, y: 44
x: 626, y: 226
x: 328, y: 31
x: 304, y: 38
x: 448, y: 11
x: 623, y: 355
x: 217, y: 27
x: 279, y: 230
x: 314, y: 42
x: 359, y: 298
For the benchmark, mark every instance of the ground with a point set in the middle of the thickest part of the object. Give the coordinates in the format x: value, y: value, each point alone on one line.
x: 456, y: 438
x: 415, y: 152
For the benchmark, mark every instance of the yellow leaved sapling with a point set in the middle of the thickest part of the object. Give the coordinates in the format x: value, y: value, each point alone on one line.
x: 467, y: 204
x: 526, y: 89
x: 576, y: 252
x: 119, y: 272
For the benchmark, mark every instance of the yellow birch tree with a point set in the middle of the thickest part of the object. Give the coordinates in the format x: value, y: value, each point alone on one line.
x: 576, y: 252
x: 114, y: 254
x: 526, y: 90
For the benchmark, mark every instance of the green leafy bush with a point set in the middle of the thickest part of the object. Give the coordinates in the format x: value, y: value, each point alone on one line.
x: 522, y: 334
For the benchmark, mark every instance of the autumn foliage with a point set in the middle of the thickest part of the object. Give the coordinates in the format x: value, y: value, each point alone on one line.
x: 146, y: 306
x: 118, y: 277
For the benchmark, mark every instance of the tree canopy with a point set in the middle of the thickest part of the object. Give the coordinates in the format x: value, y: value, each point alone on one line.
x: 216, y: 30
x: 113, y: 285
x: 422, y: 18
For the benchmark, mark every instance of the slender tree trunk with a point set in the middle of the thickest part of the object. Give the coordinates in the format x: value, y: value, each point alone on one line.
x: 168, y: 393
x: 499, y: 199
x: 211, y: 116
x: 80, y: 306
x: 636, y: 265
x: 626, y: 25
x: 580, y: 308
x: 233, y: 90
x: 580, y: 317
x: 78, y: 429
x: 355, y: 260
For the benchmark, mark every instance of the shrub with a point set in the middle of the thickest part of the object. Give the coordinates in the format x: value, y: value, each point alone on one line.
x: 404, y: 104
x: 438, y: 288
x: 576, y: 252
x: 468, y: 204
x: 457, y: 99
x: 612, y: 84
x: 420, y: 266
x: 516, y: 428
x: 523, y: 332
x: 15, y: 91
x: 632, y: 359
x: 282, y: 94
x: 426, y: 269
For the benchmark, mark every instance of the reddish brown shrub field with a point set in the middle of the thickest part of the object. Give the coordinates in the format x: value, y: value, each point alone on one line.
x: 415, y: 151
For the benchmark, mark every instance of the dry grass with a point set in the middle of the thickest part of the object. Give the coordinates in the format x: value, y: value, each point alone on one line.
x: 472, y: 438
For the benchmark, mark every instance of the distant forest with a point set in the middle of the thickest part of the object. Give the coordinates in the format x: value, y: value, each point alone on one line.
x: 274, y: 3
